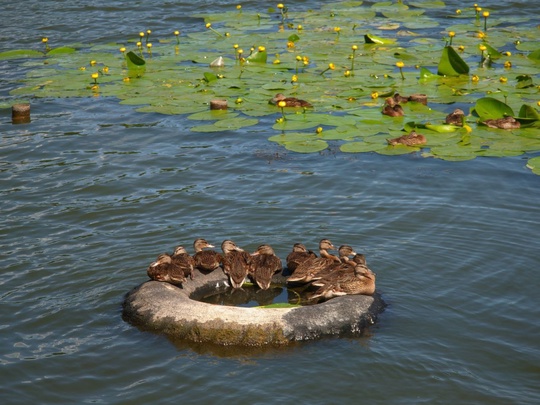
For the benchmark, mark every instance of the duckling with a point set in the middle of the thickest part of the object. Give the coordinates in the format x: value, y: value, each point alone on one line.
x: 347, y: 266
x: 236, y: 263
x: 360, y: 281
x: 298, y: 255
x: 392, y: 107
x: 413, y: 139
x: 306, y: 270
x: 205, y: 260
x: 164, y: 269
x: 345, y: 263
x: 290, y: 101
x: 181, y: 258
x: 264, y: 264
x: 455, y: 118
x: 503, y: 123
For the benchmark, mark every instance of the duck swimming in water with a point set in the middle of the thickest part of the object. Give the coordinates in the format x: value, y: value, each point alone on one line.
x: 181, y: 258
x: 264, y: 264
x: 298, y: 255
x: 236, y: 263
x: 455, y: 118
x: 289, y: 101
x: 205, y: 260
x: 305, y: 272
x: 164, y: 269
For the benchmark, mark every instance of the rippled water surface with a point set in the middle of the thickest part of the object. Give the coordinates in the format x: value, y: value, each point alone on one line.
x: 92, y: 191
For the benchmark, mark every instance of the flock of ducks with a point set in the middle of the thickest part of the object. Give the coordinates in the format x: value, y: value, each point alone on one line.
x: 325, y: 276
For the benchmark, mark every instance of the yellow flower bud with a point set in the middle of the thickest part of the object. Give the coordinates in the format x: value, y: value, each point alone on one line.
x: 122, y: 49
x: 482, y: 48
x: 461, y: 48
x: 282, y: 104
x: 503, y: 79
x: 347, y: 73
x: 400, y: 64
x: 298, y: 58
x: 148, y: 32
x: 507, y: 64
x: 458, y: 11
x: 485, y: 14
x: 451, y: 34
x: 141, y: 34
x: 290, y: 44
x: 475, y: 78
x: 95, y: 75
x: 354, y: 47
x: 44, y: 40
x: 92, y: 62
x: 319, y: 130
x: 239, y: 7
x: 337, y: 29
x: 300, y: 28
x: 208, y: 25
x: 331, y: 66
x: 374, y: 95
x: 261, y: 49
x: 176, y: 33
x: 294, y: 79
x: 280, y: 6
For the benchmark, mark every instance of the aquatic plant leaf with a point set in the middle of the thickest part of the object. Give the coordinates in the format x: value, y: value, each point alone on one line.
x: 373, y: 39
x: 443, y: 128
x: 490, y: 108
x: 493, y: 53
x: 21, y: 53
x: 535, y: 55
x: 61, y: 50
x: 209, y: 77
x: 534, y: 165
x: 451, y: 63
x: 524, y: 81
x: 257, y: 57
x: 306, y: 146
x: 527, y: 111
x: 361, y: 147
x: 134, y: 60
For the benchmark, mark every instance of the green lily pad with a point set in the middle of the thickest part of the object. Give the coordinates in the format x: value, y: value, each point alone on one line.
x: 534, y: 165
x: 451, y: 63
x: 490, y: 108
x: 21, y: 53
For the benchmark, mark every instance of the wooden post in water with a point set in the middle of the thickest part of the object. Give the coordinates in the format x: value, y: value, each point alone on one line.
x: 218, y: 104
x: 20, y: 113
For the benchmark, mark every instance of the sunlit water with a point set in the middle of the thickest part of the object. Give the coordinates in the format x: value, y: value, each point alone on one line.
x: 92, y: 191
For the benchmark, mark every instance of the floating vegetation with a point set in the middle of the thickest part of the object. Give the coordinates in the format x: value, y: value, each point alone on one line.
x: 344, y: 59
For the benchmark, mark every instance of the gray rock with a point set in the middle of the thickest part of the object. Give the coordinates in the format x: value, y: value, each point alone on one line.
x: 175, y: 311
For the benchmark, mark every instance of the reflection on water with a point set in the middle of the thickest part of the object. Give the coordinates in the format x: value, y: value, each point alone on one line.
x: 247, y: 296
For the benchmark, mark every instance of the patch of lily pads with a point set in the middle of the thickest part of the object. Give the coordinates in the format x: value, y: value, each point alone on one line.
x: 345, y: 59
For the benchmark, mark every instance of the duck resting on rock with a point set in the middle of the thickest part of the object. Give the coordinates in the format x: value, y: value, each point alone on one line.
x: 298, y: 255
x: 345, y: 263
x: 236, y: 263
x: 205, y: 260
x: 181, y: 258
x: 306, y: 270
x: 164, y: 269
x: 360, y: 281
x: 264, y: 264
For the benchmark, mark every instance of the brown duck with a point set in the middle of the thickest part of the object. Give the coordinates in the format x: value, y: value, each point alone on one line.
x: 181, y: 258
x: 205, y: 260
x: 264, y: 264
x: 289, y: 101
x: 298, y: 255
x: 343, y: 268
x: 412, y: 139
x: 305, y: 272
x: 359, y: 281
x: 164, y: 269
x: 503, y: 123
x: 455, y: 118
x: 345, y: 263
x: 392, y: 108
x: 236, y: 263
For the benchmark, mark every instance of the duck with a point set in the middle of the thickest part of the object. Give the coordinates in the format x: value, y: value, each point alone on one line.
x: 205, y: 260
x: 298, y: 255
x: 306, y: 270
x: 503, y: 123
x: 236, y: 263
x: 346, y: 267
x: 392, y: 107
x: 345, y: 263
x: 412, y: 139
x: 164, y: 269
x: 289, y: 101
x: 360, y: 281
x: 181, y: 258
x: 455, y: 118
x: 264, y: 264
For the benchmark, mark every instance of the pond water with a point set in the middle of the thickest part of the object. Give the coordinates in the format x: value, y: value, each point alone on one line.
x: 93, y: 191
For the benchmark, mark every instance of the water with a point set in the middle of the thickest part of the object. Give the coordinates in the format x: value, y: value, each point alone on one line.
x: 92, y: 191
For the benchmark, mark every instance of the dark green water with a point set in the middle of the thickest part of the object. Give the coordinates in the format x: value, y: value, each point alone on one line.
x: 92, y: 191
